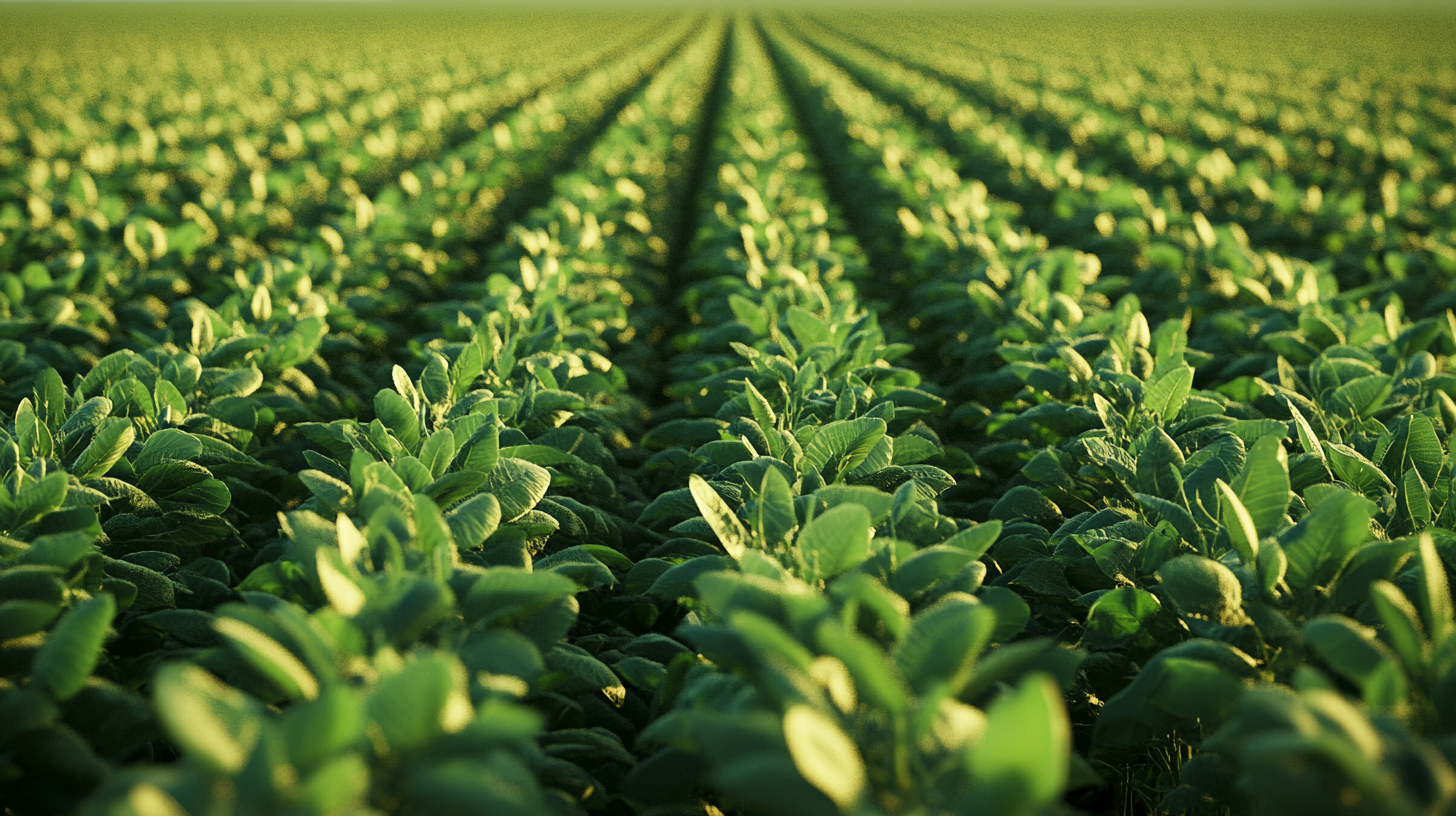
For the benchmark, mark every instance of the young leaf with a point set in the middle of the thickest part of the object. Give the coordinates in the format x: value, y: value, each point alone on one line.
x: 1263, y: 485
x: 1166, y: 395
x: 824, y: 755
x: 944, y: 641
x: 749, y: 314
x: 411, y: 705
x: 212, y: 723
x: 344, y: 595
x: 775, y: 517
x: 835, y: 541
x: 1239, y: 524
x: 400, y: 418
x: 482, y: 450
x: 474, y: 520
x: 269, y: 657
x: 1354, y: 652
x: 1415, y: 500
x: 1117, y: 617
x: 763, y: 414
x: 1402, y: 625
x: 518, y: 486
x: 1435, y: 592
x: 1159, y: 454
x: 1307, y: 438
x: 73, y: 648
x: 168, y: 443
x: 108, y: 446
x: 976, y: 540
x: 720, y: 516
x: 840, y: 447
x: 437, y: 451
x: 1318, y: 546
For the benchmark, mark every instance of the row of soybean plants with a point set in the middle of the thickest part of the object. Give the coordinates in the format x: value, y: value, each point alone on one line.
x: 104, y: 261
x: 834, y: 614
x: 143, y: 500
x: 1132, y: 228
x: 1237, y: 655
x: 1372, y: 208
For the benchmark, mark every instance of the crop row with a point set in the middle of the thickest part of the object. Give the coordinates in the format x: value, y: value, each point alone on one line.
x: 1136, y: 213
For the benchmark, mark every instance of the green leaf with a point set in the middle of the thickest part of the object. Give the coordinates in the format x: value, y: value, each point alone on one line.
x: 505, y: 595
x: 1204, y: 589
x: 841, y: 446
x: 1307, y: 438
x: 454, y: 486
x: 343, y: 593
x: 1158, y: 465
x: 239, y: 383
x: 835, y: 541
x: 1423, y: 448
x: 1415, y: 500
x: 1353, y: 652
x: 20, y: 617
x: 578, y: 564
x: 930, y: 565
x: 749, y: 314
x: 877, y: 502
x: 73, y: 648
x: 1020, y: 764
x: 774, y: 517
x: 1195, y: 689
x: 60, y: 549
x: 763, y: 414
x: 720, y: 516
x: 1117, y: 617
x: 824, y: 755
x: 875, y: 678
x: 474, y: 520
x: 1357, y: 471
x: 168, y: 443
x: 400, y: 418
x: 329, y: 490
x: 976, y: 540
x: 943, y: 642
x: 808, y: 329
x: 437, y: 451
x: 497, y: 783
x: 1166, y: 395
x: 50, y: 398
x: 518, y: 485
x: 1175, y: 514
x: 1402, y: 625
x: 108, y: 446
x: 269, y: 657
x: 586, y: 671
x: 412, y: 705
x: 213, y: 723
x: 36, y: 499
x: 319, y: 729
x: 1435, y: 592
x: 1263, y: 485
x: 1361, y: 396
x: 481, y: 450
x: 1320, y: 544
x: 1238, y: 523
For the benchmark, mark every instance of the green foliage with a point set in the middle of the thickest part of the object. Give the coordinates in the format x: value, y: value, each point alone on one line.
x: 773, y: 413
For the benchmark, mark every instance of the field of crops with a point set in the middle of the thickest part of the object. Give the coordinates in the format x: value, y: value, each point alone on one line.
x: 433, y: 411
